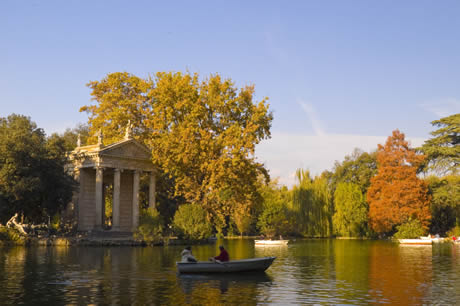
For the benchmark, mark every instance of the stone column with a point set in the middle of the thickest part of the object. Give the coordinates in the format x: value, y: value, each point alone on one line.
x: 152, y: 190
x: 135, y: 222
x: 99, y: 198
x: 74, y: 207
x: 116, y: 201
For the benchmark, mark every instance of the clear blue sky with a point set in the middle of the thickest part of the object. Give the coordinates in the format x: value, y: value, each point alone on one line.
x: 339, y: 74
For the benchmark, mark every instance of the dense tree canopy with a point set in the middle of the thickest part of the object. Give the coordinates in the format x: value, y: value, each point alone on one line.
x: 202, y: 133
x: 445, y: 203
x: 443, y: 150
x: 357, y: 168
x: 396, y: 193
x: 32, y: 178
x: 121, y: 98
x: 350, y: 217
x: 275, y: 218
x: 312, y: 205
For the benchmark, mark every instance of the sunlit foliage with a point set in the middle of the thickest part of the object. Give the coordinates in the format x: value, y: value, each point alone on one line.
x: 350, y: 216
x: 396, y: 194
x: 202, y: 134
x: 443, y: 150
x: 150, y: 226
x: 311, y: 205
x: 190, y: 221
x: 275, y: 218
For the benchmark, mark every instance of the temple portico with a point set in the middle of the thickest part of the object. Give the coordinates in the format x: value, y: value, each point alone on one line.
x: 119, y: 166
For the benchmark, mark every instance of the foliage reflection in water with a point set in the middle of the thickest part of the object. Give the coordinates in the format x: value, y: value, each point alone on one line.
x: 305, y: 271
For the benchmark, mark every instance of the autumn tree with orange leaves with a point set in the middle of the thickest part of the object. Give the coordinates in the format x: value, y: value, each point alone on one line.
x: 396, y: 194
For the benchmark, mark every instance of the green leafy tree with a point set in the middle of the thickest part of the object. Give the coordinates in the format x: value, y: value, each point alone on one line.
x: 150, y: 227
x: 33, y: 182
x: 312, y: 205
x: 443, y: 150
x: 191, y: 222
x: 70, y: 137
x: 445, y: 202
x: 275, y: 218
x: 410, y: 229
x: 350, y: 217
x: 357, y: 168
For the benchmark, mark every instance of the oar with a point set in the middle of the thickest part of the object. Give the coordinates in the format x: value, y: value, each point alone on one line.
x: 219, y: 262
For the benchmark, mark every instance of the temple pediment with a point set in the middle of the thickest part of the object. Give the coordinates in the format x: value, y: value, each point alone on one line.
x: 126, y: 149
x: 125, y: 154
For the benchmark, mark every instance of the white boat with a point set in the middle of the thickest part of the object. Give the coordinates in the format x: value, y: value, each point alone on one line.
x: 415, y: 241
x: 271, y: 242
x: 242, y: 265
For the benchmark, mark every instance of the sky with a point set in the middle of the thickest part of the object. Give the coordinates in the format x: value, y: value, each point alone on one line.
x: 339, y: 75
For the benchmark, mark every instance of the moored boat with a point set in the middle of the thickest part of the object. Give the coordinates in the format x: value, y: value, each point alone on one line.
x: 271, y: 242
x: 242, y: 265
x: 415, y: 241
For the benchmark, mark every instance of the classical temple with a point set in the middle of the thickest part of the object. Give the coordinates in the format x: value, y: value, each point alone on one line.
x: 119, y: 164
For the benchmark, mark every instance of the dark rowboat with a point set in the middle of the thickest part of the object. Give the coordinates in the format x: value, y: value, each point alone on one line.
x: 243, y: 265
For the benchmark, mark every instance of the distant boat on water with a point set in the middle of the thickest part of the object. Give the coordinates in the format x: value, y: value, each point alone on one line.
x: 271, y: 242
x: 415, y: 241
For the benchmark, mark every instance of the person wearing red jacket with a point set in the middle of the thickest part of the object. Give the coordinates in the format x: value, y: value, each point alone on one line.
x: 223, y: 256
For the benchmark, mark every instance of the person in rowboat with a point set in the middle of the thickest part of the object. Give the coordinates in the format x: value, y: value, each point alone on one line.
x: 223, y: 256
x: 187, y: 255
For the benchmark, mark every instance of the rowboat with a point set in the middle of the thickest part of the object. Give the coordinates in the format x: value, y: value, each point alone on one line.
x: 415, y: 241
x: 271, y: 242
x: 242, y: 265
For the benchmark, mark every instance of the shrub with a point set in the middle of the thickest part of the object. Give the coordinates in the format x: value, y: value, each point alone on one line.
x: 190, y: 222
x: 150, y: 227
x: 10, y: 235
x: 411, y: 229
x: 455, y: 231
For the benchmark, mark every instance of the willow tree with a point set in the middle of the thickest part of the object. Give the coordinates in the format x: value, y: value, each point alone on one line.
x: 202, y: 133
x: 350, y: 216
x: 311, y: 205
x: 396, y: 194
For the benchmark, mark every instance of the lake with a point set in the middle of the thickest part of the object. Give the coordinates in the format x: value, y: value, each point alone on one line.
x: 315, y: 271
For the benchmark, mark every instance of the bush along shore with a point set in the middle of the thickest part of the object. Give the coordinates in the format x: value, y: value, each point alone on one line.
x: 13, y: 236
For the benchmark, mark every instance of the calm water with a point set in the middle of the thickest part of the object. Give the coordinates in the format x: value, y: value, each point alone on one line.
x: 305, y: 272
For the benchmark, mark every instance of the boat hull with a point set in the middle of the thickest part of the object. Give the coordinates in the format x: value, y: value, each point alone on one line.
x: 243, y: 265
x: 415, y: 241
x: 271, y: 242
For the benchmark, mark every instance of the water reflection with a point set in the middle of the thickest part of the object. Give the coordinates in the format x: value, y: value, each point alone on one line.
x: 189, y: 282
x: 304, y: 272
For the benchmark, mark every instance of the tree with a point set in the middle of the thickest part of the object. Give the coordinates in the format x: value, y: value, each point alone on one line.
x: 150, y: 226
x: 70, y: 136
x: 121, y: 98
x: 202, y: 133
x: 396, y: 193
x: 445, y: 203
x: 33, y: 182
x: 275, y: 218
x: 410, y: 229
x: 311, y: 205
x: 357, y: 168
x: 443, y: 151
x: 350, y: 217
x: 191, y: 222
